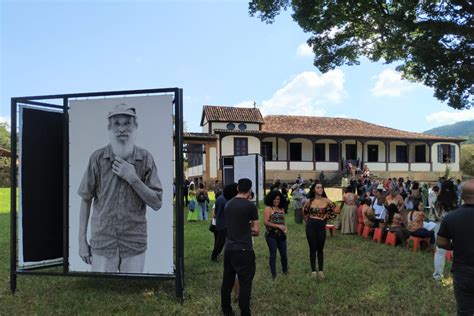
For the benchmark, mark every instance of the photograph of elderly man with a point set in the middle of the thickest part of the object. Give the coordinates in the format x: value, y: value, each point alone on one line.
x: 121, y: 179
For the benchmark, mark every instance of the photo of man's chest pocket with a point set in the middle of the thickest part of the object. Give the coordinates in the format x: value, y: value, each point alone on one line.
x: 117, y: 197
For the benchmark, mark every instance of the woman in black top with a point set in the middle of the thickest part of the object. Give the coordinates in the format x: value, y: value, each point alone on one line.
x: 275, y: 235
x: 316, y: 212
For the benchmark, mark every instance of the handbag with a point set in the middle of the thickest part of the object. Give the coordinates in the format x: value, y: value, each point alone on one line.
x: 212, y: 227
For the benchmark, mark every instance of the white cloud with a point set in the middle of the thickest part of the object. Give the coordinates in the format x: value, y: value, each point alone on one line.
x: 444, y: 117
x: 307, y: 94
x: 245, y: 104
x: 390, y: 83
x: 304, y: 50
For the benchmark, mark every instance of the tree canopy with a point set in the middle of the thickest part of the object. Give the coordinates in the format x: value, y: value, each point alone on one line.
x: 5, y: 140
x: 433, y: 40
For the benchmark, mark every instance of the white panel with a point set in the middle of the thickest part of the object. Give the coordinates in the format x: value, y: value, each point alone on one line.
x: 88, y: 132
x: 275, y: 165
x: 301, y: 165
x: 213, y: 162
x: 376, y: 166
x: 420, y: 166
x: 195, y: 171
x: 329, y: 166
x: 397, y: 166
x: 250, y: 167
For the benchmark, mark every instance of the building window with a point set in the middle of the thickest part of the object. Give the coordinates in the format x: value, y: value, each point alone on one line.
x: 266, y: 149
x: 231, y: 126
x: 446, y: 153
x: 295, y: 151
x: 320, y: 152
x: 334, y: 152
x: 420, y: 153
x: 351, y: 152
x: 402, y: 153
x: 242, y: 126
x: 373, y: 153
x: 194, y: 154
x: 240, y: 146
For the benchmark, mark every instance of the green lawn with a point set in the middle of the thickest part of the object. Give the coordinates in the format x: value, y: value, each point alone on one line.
x: 362, y: 278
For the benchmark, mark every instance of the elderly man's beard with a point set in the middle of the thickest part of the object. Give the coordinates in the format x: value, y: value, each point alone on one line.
x: 123, y: 149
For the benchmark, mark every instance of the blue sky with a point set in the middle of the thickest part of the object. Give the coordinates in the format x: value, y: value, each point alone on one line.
x: 214, y: 50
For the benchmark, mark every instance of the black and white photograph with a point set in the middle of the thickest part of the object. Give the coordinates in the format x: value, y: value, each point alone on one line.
x: 121, y: 185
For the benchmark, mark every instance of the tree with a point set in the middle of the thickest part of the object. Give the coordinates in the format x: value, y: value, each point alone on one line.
x: 433, y: 40
x: 5, y: 139
x: 467, y: 159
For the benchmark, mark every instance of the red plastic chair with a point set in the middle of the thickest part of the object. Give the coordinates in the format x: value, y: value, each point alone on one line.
x: 391, y: 239
x: 378, y: 234
x: 417, y: 242
x: 367, y: 230
x: 332, y: 229
x: 360, y: 229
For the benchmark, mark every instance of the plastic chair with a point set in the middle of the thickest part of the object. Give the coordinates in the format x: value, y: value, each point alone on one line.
x: 378, y: 234
x: 391, y: 239
x: 367, y: 230
x: 360, y: 229
x: 417, y: 242
x: 332, y: 229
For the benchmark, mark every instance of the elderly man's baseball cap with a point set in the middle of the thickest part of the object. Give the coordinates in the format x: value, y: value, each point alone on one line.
x: 123, y: 109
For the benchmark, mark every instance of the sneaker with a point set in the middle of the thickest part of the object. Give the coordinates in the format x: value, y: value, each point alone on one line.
x: 314, y: 274
x: 321, y: 275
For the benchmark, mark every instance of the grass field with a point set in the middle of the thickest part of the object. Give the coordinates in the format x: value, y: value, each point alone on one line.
x: 362, y: 278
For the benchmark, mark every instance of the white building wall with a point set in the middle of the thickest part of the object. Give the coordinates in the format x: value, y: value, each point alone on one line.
x: 275, y: 165
x: 326, y: 143
x: 331, y: 166
x: 195, y: 171
x: 376, y: 166
x: 398, y: 166
x: 411, y: 151
x: 301, y: 165
x: 228, y: 145
x: 380, y: 154
x: 213, y: 162
x: 223, y: 125
x: 393, y: 150
x: 306, y: 148
x: 420, y: 166
x: 205, y: 126
x: 282, y: 149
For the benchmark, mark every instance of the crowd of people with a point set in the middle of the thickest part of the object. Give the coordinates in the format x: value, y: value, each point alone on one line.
x: 404, y: 207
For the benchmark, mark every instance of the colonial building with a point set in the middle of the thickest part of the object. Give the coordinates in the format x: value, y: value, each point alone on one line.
x: 307, y: 145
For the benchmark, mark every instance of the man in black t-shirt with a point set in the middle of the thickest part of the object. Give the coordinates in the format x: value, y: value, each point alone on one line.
x: 241, y: 222
x: 457, y: 233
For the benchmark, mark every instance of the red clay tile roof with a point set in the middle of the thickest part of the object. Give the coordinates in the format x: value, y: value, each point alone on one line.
x: 198, y: 136
x: 231, y: 114
x: 334, y: 126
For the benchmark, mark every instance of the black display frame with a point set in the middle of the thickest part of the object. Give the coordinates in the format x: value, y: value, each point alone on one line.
x: 178, y: 275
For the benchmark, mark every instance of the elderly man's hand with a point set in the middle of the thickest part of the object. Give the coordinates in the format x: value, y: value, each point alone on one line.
x: 124, y: 170
x: 85, y: 252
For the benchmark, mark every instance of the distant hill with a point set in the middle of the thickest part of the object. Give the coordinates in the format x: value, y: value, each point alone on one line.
x: 459, y: 129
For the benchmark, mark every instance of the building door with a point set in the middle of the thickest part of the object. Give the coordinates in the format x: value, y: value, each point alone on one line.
x: 420, y: 153
x: 320, y: 152
x: 351, y: 152
x: 266, y: 149
x: 295, y: 151
x: 241, y: 146
x: 402, y: 153
x: 333, y: 152
x: 373, y: 153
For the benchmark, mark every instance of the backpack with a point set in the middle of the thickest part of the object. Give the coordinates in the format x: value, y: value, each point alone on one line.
x: 201, y: 197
